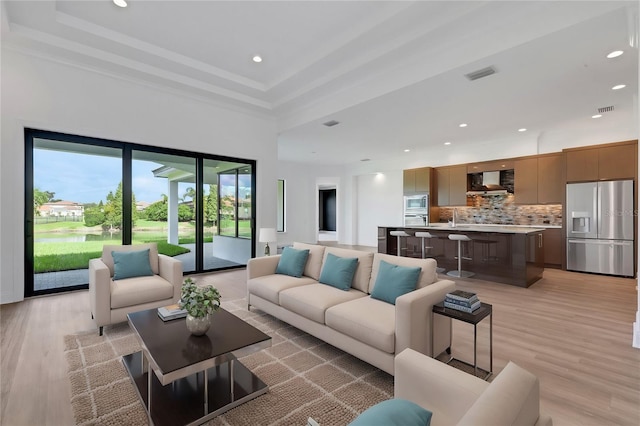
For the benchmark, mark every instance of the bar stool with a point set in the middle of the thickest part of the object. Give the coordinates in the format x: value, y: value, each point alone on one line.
x: 400, y: 235
x: 427, y: 236
x: 460, y: 273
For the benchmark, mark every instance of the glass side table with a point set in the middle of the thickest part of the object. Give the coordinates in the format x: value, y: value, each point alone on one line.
x: 485, y: 310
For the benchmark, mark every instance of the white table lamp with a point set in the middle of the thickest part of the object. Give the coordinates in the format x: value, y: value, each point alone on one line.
x: 267, y: 235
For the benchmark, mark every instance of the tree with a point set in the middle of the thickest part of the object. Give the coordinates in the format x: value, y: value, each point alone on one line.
x: 211, y: 205
x: 157, y: 211
x: 94, y: 214
x: 40, y: 198
x: 113, y: 209
x: 185, y: 214
x: 190, y: 192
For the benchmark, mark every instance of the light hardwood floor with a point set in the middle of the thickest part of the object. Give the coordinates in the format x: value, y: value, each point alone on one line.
x: 572, y: 330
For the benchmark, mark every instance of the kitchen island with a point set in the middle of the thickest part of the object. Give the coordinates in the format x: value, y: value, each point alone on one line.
x: 506, y: 254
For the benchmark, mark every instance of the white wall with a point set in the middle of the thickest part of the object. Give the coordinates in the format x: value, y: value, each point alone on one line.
x: 52, y: 96
x: 379, y: 204
x: 301, y: 200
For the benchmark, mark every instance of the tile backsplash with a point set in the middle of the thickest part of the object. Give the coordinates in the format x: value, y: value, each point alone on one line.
x: 501, y: 209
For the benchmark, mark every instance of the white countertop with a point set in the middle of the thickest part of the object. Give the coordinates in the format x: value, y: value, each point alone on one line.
x: 503, y: 229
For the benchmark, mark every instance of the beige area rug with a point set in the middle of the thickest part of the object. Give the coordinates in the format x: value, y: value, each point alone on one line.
x: 306, y: 378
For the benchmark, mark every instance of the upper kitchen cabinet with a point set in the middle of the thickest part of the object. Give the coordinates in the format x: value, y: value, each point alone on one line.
x: 602, y: 162
x: 539, y: 179
x: 617, y: 162
x: 416, y: 181
x: 451, y: 186
x: 490, y: 166
x: 582, y: 165
x: 550, y: 179
x: 526, y: 180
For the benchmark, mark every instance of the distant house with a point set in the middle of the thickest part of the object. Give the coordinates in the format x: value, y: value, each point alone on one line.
x: 62, y: 209
x: 141, y: 205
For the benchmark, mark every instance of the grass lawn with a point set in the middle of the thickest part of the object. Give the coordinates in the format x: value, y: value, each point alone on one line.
x: 64, y: 256
x: 55, y: 257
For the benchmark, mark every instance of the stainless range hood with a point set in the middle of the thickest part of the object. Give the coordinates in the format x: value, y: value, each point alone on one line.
x: 490, y: 185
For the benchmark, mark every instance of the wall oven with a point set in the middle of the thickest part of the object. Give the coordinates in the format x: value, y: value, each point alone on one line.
x: 416, y: 204
x: 416, y: 210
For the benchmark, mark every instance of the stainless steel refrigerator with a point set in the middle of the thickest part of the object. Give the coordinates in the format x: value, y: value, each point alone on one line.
x: 600, y: 220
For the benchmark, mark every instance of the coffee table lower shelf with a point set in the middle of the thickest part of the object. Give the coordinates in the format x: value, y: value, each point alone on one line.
x: 182, y: 402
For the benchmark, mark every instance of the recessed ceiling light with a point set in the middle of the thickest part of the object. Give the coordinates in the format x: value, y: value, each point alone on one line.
x: 447, y: 143
x: 407, y: 150
x: 522, y: 130
x: 257, y: 59
x: 463, y: 125
x: 121, y: 3
x: 619, y: 86
x: 615, y: 54
x: 596, y: 116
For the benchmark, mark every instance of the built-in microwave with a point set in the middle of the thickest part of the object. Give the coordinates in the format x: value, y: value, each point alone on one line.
x: 416, y: 204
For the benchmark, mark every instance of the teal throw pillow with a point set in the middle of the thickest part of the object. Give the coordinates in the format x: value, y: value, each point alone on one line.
x: 338, y: 271
x: 129, y: 264
x: 394, y: 281
x: 394, y: 412
x: 292, y: 262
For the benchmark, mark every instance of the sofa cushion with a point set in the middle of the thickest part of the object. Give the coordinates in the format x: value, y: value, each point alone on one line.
x: 394, y: 412
x: 363, y: 271
x: 311, y: 301
x: 107, y: 258
x: 314, y: 262
x: 338, y: 271
x: 130, y: 264
x: 393, y: 281
x: 292, y: 262
x: 512, y: 398
x: 139, y: 290
x: 365, y: 319
x: 269, y: 287
x: 428, y: 275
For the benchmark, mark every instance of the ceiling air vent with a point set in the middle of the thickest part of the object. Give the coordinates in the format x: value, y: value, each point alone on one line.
x: 484, y: 72
x: 605, y: 109
x: 331, y: 123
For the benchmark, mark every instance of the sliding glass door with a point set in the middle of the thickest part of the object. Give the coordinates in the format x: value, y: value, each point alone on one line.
x: 82, y: 193
x: 76, y: 209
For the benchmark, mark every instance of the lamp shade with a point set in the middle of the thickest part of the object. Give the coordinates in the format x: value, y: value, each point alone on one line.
x: 267, y: 235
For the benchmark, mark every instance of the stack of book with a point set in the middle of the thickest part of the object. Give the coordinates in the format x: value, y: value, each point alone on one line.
x: 464, y: 301
x: 171, y: 312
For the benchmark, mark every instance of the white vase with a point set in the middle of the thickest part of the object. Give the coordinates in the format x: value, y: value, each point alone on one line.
x: 198, y: 325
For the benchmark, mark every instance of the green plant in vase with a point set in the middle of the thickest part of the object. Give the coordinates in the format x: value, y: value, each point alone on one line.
x: 199, y: 302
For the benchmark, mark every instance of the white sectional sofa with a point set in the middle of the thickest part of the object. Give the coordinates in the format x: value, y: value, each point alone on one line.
x: 370, y: 329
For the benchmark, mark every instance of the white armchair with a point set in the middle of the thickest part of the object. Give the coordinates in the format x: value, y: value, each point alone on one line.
x: 111, y: 300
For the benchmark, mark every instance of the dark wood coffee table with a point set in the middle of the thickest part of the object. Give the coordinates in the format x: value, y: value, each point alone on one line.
x: 196, y: 378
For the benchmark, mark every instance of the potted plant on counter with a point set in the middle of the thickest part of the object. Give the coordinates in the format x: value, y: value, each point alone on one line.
x: 200, y: 303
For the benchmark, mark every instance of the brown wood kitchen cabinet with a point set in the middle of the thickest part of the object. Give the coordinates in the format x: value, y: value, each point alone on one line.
x: 490, y: 166
x: 617, y: 162
x: 416, y: 181
x: 550, y: 179
x: 553, y: 247
x: 602, y: 162
x: 526, y: 180
x: 451, y: 186
x: 582, y: 165
x: 539, y: 179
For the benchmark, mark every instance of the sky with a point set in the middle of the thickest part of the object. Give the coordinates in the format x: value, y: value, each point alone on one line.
x: 89, y: 178
x: 84, y: 178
